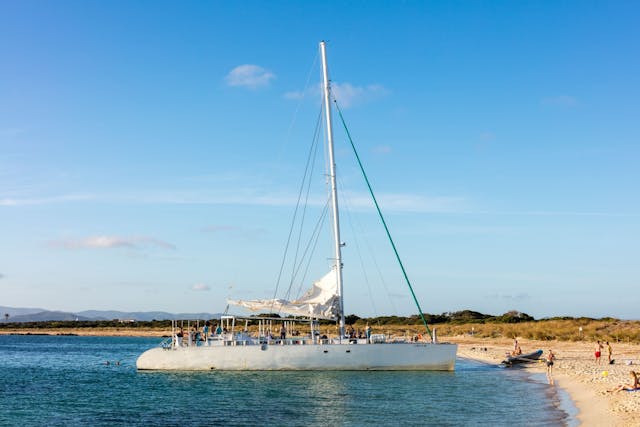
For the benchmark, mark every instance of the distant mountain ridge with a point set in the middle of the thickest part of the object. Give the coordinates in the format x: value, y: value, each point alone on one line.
x: 19, y: 315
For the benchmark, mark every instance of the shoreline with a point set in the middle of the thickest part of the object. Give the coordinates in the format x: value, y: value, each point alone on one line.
x: 576, y: 373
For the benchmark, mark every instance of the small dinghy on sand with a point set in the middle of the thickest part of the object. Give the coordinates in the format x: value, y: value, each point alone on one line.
x: 522, y: 358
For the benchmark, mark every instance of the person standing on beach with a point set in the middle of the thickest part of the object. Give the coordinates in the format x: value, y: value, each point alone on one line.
x: 609, y: 351
x: 598, y: 352
x: 549, y: 360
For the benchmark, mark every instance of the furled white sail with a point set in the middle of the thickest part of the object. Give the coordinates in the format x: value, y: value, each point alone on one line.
x: 321, y: 301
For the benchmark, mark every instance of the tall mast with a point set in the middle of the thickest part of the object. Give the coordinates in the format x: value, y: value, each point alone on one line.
x: 332, y: 177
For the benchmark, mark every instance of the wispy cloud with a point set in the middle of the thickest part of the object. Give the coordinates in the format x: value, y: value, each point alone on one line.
x: 487, y: 136
x: 405, y: 202
x: 11, y: 132
x: 347, y: 94
x: 565, y: 101
x: 242, y: 194
x: 218, y: 228
x: 200, y: 287
x: 105, y: 242
x: 382, y: 149
x: 553, y: 213
x: 296, y: 95
x: 249, y: 76
x: 234, y: 230
x: 7, y: 202
x: 513, y: 297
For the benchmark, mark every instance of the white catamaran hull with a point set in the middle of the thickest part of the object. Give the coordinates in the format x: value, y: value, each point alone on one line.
x: 396, y: 356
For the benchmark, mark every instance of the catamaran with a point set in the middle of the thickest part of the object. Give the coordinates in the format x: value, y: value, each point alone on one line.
x: 234, y: 347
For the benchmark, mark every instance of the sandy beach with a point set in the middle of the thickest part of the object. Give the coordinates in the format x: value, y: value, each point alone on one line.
x: 576, y: 372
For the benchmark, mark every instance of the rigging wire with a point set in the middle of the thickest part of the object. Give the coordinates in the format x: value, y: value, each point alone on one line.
x: 295, y: 213
x: 298, y: 106
x: 371, y: 253
x: 384, y: 223
x: 311, y: 244
x: 347, y: 205
x: 295, y: 267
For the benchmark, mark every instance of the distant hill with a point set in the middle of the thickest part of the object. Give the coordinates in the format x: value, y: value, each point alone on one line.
x: 13, y: 311
x: 45, y: 316
x: 142, y: 315
x: 42, y: 315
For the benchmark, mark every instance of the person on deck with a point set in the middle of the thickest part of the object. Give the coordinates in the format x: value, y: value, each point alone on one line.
x: 368, y: 333
x: 283, y: 332
x: 205, y: 330
x: 179, y: 337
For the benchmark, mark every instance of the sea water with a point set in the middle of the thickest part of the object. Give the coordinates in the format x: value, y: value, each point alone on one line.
x: 71, y: 380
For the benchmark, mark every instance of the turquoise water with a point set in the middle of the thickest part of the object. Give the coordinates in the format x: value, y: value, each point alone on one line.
x: 64, y: 380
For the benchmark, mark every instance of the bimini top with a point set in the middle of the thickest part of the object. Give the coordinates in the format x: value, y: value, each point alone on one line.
x: 321, y: 301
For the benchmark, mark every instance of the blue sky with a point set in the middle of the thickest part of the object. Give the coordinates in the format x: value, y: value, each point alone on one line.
x: 151, y: 152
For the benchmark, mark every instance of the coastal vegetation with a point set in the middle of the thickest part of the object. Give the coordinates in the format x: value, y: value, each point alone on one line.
x: 462, y: 323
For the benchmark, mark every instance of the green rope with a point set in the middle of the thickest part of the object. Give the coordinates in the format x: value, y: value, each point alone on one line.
x: 384, y: 223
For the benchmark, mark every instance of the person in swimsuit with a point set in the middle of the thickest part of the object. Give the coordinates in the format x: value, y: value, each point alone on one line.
x: 549, y: 360
x: 635, y: 384
x: 598, y: 352
x: 610, y: 351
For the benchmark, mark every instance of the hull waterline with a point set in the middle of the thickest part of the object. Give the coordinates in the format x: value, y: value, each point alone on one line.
x: 397, y: 356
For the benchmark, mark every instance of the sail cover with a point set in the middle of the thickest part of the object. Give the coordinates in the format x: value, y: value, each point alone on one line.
x: 321, y: 301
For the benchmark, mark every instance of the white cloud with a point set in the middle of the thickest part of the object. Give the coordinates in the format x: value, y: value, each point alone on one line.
x: 346, y: 94
x: 103, y: 242
x: 566, y: 101
x: 249, y: 76
x: 349, y: 95
x: 200, y: 287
